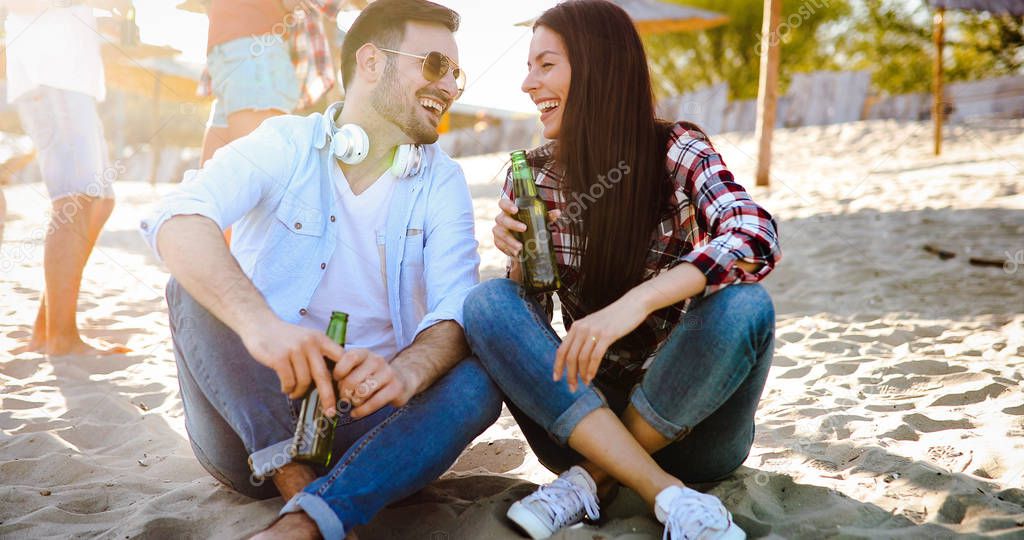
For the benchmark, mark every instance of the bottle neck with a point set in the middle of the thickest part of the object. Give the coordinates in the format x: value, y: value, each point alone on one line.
x: 523, y: 183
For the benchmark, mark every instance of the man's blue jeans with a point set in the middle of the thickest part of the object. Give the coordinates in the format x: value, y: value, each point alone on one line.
x: 701, y: 390
x: 235, y: 411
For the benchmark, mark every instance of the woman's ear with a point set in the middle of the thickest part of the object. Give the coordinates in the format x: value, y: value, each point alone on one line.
x: 370, y: 62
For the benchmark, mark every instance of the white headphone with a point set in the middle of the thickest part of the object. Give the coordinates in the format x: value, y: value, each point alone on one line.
x: 351, y: 144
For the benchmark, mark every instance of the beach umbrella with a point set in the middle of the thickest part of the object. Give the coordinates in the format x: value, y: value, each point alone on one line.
x: 655, y: 17
x: 997, y: 7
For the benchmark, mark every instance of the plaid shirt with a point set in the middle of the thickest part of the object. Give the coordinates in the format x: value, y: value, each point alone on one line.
x: 710, y: 222
x: 311, y: 54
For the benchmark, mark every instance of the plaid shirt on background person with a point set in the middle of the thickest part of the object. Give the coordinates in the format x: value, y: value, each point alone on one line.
x: 310, y: 51
x: 711, y: 222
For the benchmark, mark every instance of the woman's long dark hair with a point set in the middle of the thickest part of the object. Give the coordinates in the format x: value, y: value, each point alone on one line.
x: 608, y: 121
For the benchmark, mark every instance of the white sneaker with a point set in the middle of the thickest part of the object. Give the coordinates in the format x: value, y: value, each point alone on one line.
x: 691, y: 515
x: 560, y: 504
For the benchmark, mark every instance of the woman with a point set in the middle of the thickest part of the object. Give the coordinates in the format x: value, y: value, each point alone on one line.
x: 659, y: 251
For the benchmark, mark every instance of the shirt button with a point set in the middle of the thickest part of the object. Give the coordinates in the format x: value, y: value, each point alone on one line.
x: 298, y: 225
x: 303, y: 312
x: 323, y: 266
x: 332, y: 219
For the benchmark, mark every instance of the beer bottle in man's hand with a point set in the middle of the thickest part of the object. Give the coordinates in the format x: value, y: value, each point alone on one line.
x: 314, y: 433
x: 537, y: 258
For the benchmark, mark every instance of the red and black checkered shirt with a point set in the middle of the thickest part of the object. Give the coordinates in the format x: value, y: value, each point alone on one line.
x: 710, y: 222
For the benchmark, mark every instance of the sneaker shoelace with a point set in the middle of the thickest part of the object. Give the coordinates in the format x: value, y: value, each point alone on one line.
x: 562, y: 499
x: 688, y: 520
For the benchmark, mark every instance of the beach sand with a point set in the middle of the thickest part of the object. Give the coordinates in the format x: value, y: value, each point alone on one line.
x: 894, y: 408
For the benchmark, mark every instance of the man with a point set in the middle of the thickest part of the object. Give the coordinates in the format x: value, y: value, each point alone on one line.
x: 54, y: 80
x: 314, y: 234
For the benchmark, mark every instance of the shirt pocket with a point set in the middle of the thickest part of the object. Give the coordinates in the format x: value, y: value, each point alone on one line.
x: 414, y: 244
x: 297, y: 233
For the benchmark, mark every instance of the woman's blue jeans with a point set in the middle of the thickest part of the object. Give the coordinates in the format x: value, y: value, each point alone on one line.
x: 700, y: 391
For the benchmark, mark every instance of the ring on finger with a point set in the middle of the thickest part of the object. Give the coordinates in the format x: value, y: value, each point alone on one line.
x: 368, y: 385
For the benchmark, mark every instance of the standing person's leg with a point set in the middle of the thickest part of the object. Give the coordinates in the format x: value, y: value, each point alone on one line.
x: 213, y: 139
x: 410, y: 448
x: 72, y: 152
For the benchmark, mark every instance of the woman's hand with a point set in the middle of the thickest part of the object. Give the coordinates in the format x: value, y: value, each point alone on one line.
x: 506, y: 226
x: 505, y: 229
x: 588, y: 339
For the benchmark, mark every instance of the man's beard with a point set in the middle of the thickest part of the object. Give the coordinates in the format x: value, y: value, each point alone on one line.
x: 389, y: 102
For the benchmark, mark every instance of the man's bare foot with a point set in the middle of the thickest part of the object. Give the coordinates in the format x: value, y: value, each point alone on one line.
x: 294, y: 526
x: 78, y: 346
x: 293, y: 478
x: 38, y: 342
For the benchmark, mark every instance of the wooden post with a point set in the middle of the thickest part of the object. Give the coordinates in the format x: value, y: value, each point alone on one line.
x: 156, y: 143
x: 938, y: 99
x: 768, y: 89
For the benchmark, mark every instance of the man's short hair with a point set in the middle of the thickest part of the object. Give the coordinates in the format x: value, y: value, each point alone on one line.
x: 383, y: 23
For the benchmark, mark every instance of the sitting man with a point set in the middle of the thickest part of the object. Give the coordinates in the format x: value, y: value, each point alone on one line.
x: 357, y: 218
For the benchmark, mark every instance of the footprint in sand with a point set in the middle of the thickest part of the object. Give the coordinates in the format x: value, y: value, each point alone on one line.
x: 970, y: 397
x: 796, y: 373
x: 1015, y: 411
x: 929, y: 367
x: 924, y: 424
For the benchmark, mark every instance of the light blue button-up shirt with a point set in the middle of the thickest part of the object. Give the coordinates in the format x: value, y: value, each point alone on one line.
x: 273, y: 188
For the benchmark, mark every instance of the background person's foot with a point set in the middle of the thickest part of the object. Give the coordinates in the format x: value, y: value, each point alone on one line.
x: 562, y: 503
x: 80, y: 347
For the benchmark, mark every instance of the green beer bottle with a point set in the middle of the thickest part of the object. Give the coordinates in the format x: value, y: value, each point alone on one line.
x: 314, y: 432
x: 537, y: 258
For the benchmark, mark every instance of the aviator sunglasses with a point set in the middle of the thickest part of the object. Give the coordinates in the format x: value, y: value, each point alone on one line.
x: 436, y: 66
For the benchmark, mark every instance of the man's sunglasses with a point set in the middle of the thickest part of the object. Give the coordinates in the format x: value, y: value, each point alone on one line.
x: 436, y: 66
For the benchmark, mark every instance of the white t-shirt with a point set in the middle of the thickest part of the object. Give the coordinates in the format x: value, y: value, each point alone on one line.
x: 59, y: 48
x: 354, y: 280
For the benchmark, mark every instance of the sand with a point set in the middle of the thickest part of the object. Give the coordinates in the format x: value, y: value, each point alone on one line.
x: 895, y: 406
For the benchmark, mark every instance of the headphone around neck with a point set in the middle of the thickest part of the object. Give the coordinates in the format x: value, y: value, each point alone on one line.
x: 351, y: 144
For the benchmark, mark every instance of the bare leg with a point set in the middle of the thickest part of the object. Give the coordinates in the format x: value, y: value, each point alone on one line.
x: 294, y: 526
x: 75, y: 225
x: 291, y: 479
x: 213, y: 139
x: 646, y: 436
x: 610, y: 447
x: 242, y: 123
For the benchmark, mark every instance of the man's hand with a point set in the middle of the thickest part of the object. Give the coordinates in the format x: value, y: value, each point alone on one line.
x: 296, y: 354
x: 368, y: 382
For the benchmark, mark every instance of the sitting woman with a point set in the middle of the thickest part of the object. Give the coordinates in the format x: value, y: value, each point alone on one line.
x: 660, y: 250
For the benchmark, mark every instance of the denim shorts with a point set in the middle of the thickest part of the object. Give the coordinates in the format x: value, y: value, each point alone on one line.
x: 251, y: 73
x: 70, y: 146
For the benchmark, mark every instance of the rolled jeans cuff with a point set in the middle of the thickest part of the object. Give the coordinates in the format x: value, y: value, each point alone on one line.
x: 665, y: 427
x: 267, y: 461
x: 590, y: 401
x: 319, y: 511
